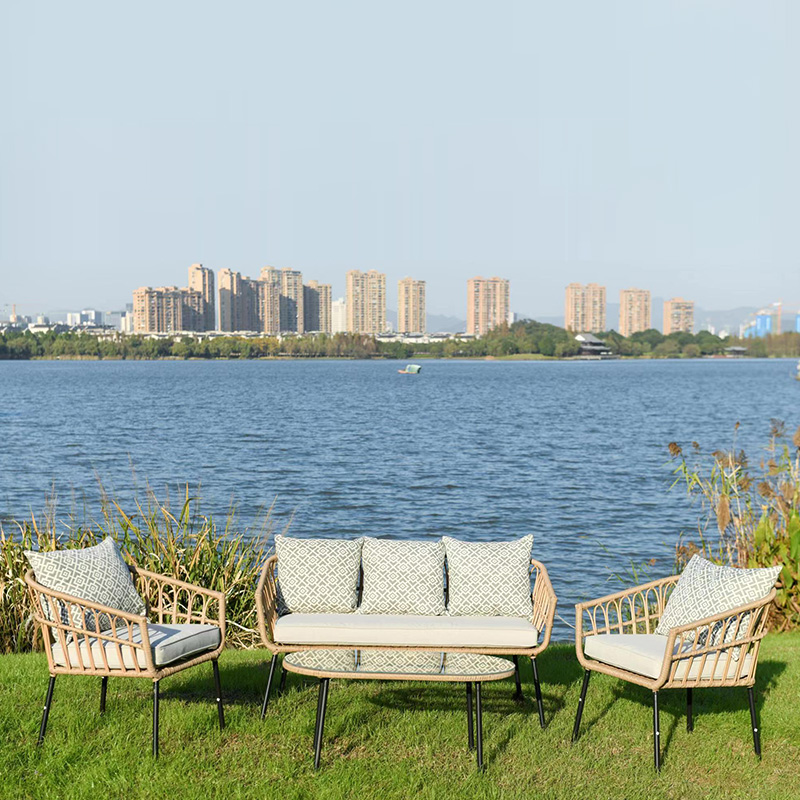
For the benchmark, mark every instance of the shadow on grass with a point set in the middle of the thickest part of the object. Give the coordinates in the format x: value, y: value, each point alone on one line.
x: 673, y: 702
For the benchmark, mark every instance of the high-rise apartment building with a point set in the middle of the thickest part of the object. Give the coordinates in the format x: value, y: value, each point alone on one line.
x: 487, y: 304
x: 167, y: 309
x: 678, y: 316
x: 241, y: 303
x: 339, y: 316
x: 585, y: 308
x: 292, y: 316
x: 411, y: 315
x: 634, y: 311
x: 202, y: 280
x: 366, y: 302
x: 317, y: 307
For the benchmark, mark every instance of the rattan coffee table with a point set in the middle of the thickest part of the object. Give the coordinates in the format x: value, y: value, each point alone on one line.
x: 399, y: 665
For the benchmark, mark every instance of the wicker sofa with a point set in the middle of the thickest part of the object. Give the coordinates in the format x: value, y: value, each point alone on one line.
x: 490, y: 634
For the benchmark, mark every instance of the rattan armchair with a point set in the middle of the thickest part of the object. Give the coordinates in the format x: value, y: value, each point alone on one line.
x: 719, y: 651
x: 184, y: 626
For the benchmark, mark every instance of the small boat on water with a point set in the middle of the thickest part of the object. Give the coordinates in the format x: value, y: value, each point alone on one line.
x: 411, y: 369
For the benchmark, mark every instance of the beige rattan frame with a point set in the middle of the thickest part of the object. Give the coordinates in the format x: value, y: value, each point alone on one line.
x: 639, y: 609
x: 168, y: 601
x: 544, y: 610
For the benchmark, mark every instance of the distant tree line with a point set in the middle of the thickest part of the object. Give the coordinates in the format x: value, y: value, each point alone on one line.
x: 525, y: 337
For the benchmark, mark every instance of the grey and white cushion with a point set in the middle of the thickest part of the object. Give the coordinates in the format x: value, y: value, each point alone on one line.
x: 706, y: 589
x: 402, y: 577
x: 168, y: 643
x: 489, y: 578
x: 317, y: 576
x: 97, y: 574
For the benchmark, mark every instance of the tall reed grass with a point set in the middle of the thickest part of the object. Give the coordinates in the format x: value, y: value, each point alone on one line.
x: 750, y: 512
x: 183, y: 544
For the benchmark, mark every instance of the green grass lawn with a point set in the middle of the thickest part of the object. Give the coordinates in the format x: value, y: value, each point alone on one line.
x: 395, y: 740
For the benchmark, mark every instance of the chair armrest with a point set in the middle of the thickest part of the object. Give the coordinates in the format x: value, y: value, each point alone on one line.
x: 267, y: 602
x: 544, y: 602
x: 177, y: 602
x: 70, y: 620
x: 691, y: 645
x: 635, y: 610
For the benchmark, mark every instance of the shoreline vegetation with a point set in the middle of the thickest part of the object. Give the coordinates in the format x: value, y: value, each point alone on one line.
x: 523, y: 340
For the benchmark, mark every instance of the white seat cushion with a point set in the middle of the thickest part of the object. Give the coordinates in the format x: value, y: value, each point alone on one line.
x: 169, y: 643
x: 643, y: 653
x: 404, y: 630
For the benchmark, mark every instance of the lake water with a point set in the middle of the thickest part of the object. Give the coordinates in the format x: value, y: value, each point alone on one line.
x: 574, y: 452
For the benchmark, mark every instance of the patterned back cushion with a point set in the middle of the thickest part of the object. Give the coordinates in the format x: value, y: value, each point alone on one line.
x: 98, y: 574
x: 317, y: 576
x: 489, y: 579
x: 402, y: 577
x: 706, y: 589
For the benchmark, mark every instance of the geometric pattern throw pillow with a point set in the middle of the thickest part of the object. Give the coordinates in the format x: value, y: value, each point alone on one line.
x: 402, y: 577
x: 317, y: 576
x: 705, y: 589
x: 98, y: 574
x: 489, y: 579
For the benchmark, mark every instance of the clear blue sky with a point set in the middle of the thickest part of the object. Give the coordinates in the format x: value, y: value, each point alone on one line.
x: 653, y: 144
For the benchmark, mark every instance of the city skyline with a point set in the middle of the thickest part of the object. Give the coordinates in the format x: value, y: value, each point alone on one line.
x: 551, y: 157
x: 585, y: 308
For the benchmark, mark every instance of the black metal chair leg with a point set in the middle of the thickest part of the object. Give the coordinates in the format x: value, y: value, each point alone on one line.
x: 577, y: 726
x: 517, y: 681
x: 46, y: 713
x: 754, y: 722
x: 103, y: 691
x: 321, y: 707
x: 689, y: 718
x: 470, y: 733
x: 269, y: 685
x: 479, y: 724
x: 656, y: 734
x: 282, y: 684
x: 538, y: 689
x: 155, y: 719
x: 218, y: 688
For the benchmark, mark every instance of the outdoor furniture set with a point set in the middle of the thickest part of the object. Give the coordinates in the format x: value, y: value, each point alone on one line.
x: 374, y: 609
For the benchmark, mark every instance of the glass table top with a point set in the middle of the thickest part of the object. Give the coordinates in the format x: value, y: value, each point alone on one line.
x: 399, y: 665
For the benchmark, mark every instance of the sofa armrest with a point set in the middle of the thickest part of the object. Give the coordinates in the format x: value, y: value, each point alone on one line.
x: 544, y: 602
x: 635, y: 610
x: 267, y: 602
x: 177, y: 602
x: 69, y: 621
x: 689, y: 646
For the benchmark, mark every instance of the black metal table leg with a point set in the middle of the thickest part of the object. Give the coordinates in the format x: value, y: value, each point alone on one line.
x: 470, y: 734
x: 321, y: 706
x: 269, y: 685
x: 103, y: 691
x: 319, y: 712
x: 689, y: 718
x: 46, y: 712
x: 656, y: 734
x: 220, y: 712
x: 754, y: 721
x: 517, y: 681
x: 155, y: 719
x: 581, y: 701
x: 479, y: 724
x: 538, y: 689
